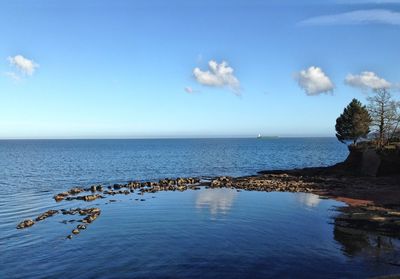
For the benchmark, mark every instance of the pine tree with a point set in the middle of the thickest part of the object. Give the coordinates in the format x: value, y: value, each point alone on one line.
x: 353, y: 123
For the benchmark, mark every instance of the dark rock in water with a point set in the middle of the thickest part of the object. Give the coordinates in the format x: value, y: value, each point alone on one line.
x: 75, y: 231
x: 47, y: 214
x: 25, y: 224
x: 81, y: 227
x: 75, y: 191
x: 112, y: 200
x: 91, y: 197
x: 93, y: 188
x: 117, y: 186
x: 59, y: 198
x: 69, y: 237
x: 142, y: 199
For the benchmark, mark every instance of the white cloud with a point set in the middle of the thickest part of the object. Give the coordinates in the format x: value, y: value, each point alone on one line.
x: 218, y: 75
x: 314, y: 81
x: 379, y: 16
x: 367, y: 80
x: 24, y: 65
x: 13, y: 76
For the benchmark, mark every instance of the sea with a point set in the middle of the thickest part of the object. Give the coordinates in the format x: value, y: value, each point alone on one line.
x: 208, y: 233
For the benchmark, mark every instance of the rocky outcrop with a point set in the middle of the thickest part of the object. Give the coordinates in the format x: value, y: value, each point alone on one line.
x: 370, y: 161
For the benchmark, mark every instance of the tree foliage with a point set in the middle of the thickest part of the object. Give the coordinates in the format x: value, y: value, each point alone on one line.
x: 353, y: 123
x: 385, y: 114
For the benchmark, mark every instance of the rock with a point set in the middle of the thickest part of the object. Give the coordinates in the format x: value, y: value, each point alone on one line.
x: 117, y: 186
x: 75, y: 231
x: 69, y: 236
x: 91, y: 197
x: 94, y: 210
x: 75, y: 191
x: 47, y: 214
x: 59, y: 197
x: 81, y: 227
x: 25, y: 224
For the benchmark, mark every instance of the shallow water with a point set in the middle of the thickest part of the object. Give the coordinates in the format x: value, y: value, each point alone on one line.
x: 210, y: 233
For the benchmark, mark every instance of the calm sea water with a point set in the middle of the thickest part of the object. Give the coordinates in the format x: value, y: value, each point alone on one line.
x: 211, y: 233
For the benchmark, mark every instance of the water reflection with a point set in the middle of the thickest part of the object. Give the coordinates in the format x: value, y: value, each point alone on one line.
x: 309, y: 200
x: 217, y: 200
x: 372, y: 246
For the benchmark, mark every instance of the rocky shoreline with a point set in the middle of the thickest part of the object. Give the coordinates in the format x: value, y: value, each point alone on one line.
x: 373, y: 202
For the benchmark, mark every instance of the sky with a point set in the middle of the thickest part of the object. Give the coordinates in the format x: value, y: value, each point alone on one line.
x: 180, y: 68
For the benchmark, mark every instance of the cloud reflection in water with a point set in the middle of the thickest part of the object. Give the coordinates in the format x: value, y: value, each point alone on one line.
x: 217, y: 200
x: 309, y: 200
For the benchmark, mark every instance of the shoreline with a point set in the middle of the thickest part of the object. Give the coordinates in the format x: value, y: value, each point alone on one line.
x: 372, y: 202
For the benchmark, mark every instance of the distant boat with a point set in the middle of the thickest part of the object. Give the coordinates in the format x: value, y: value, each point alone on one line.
x: 268, y: 137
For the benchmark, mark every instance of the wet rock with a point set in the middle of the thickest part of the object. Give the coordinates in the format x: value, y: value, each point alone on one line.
x: 69, y: 236
x: 25, y: 224
x: 182, y: 188
x: 117, y: 186
x: 90, y: 197
x: 81, y: 227
x: 59, y: 197
x: 75, y: 191
x: 75, y: 231
x: 47, y: 214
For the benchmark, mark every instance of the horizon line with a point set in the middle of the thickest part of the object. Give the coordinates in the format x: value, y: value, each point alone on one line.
x: 158, y: 138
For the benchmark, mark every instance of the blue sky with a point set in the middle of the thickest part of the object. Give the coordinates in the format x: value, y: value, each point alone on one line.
x: 127, y: 69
